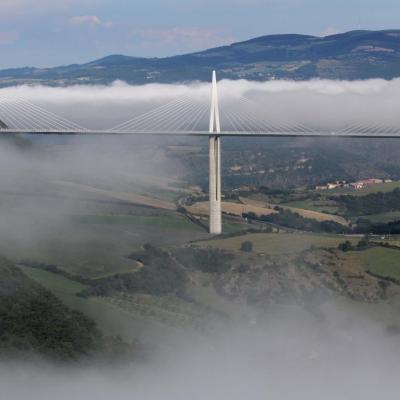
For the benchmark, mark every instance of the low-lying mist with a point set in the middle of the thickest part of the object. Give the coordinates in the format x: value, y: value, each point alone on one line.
x: 35, y: 196
x: 289, y: 355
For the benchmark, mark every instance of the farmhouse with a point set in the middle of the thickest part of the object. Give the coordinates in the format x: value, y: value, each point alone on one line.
x: 366, y: 182
x: 332, y: 185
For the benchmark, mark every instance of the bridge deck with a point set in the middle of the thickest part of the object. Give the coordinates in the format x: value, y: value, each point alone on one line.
x: 99, y: 132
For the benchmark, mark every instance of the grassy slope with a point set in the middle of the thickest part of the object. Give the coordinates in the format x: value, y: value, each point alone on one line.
x: 161, y: 221
x: 53, y: 282
x: 282, y: 243
x: 95, y: 246
x: 152, y: 319
x: 382, y: 218
x: 379, y: 260
x: 133, y: 198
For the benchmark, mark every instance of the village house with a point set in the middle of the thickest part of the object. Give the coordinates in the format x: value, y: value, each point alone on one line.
x: 334, y: 185
x: 365, y: 182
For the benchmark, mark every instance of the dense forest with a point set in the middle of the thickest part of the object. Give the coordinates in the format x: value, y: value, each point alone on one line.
x: 33, y: 322
x: 373, y: 203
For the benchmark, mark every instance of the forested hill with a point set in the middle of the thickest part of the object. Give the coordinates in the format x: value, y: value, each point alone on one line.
x: 33, y: 322
x: 352, y: 55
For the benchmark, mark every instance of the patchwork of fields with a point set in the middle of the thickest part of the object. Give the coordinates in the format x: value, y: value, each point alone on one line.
x: 95, y: 237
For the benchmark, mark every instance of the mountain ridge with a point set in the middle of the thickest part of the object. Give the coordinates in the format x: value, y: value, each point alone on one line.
x: 358, y: 54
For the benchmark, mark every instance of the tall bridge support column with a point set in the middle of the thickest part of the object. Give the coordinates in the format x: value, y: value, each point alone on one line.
x: 215, y: 216
x: 215, y: 185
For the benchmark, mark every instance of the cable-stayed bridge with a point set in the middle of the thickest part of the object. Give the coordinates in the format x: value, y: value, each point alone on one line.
x: 191, y: 114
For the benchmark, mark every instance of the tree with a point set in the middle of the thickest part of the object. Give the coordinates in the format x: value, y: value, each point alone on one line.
x: 346, y: 246
x: 363, y: 244
x: 247, y: 246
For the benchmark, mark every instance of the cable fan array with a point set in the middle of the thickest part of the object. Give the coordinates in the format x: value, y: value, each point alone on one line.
x: 243, y: 115
x: 187, y: 114
x: 19, y: 114
x: 180, y: 115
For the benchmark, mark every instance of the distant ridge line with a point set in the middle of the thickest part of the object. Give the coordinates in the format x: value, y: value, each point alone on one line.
x: 353, y: 55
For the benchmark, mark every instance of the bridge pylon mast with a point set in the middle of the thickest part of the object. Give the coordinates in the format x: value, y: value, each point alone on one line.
x: 215, y: 162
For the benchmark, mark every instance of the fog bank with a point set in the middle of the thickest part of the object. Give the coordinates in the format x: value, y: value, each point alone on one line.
x: 317, y: 103
x: 286, y: 357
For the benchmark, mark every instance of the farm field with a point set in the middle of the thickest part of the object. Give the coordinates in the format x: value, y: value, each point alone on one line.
x: 304, y: 208
x: 318, y: 216
x: 238, y: 209
x: 382, y: 261
x: 201, y: 208
x: 321, y: 206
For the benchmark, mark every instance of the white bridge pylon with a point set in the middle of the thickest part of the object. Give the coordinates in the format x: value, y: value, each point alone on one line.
x: 215, y: 213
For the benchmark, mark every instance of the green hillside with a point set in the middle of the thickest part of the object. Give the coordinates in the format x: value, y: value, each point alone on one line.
x: 351, y: 55
x: 35, y: 322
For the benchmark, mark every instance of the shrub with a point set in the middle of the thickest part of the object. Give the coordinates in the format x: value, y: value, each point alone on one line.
x: 247, y: 246
x: 346, y: 246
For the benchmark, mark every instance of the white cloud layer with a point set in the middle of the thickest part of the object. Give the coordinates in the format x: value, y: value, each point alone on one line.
x: 319, y: 104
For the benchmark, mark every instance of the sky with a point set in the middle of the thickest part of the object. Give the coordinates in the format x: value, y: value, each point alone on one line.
x: 47, y: 33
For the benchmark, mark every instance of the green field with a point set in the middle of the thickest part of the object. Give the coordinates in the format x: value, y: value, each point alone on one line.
x: 324, y: 206
x: 381, y: 261
x: 98, y: 245
x: 177, y: 222
x: 53, y: 282
x: 156, y: 221
x: 278, y: 243
x: 229, y: 226
x: 382, y: 218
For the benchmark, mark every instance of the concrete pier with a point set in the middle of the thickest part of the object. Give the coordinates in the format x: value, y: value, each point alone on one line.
x: 215, y: 185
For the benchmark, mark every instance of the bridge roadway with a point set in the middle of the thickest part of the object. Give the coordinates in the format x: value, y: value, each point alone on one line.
x: 100, y: 132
